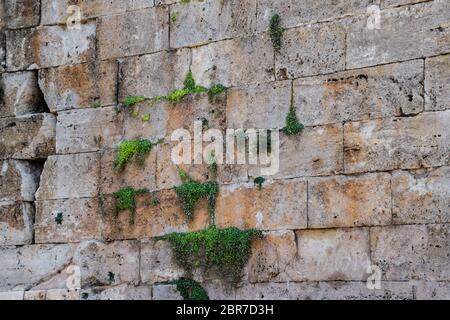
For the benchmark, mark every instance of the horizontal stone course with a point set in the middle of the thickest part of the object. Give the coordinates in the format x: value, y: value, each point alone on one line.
x: 19, y: 180
x: 437, y: 83
x: 22, y: 13
x: 16, y: 223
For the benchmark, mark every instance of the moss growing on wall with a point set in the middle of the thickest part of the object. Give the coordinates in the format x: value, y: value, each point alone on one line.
x: 132, y: 100
x: 126, y: 200
x: 293, y: 126
x: 191, y: 192
x: 136, y: 150
x: 259, y: 181
x: 191, y: 290
x: 276, y: 32
x: 225, y: 251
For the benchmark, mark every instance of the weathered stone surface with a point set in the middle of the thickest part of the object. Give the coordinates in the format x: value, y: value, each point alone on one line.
x: 396, y: 3
x: 344, y: 201
x: 63, y: 294
x: 378, y: 92
x: 16, y: 223
x: 158, y: 263
x: 397, y: 143
x: 45, y: 47
x: 153, y: 129
x: 419, y: 252
x: 79, y: 86
x: 406, y: 33
x: 12, y: 295
x: 437, y: 83
x: 334, y: 254
x: 334, y: 290
x: 421, y: 196
x: 143, y: 31
x: 199, y: 22
x: 80, y: 220
x: 2, y: 50
x: 108, y: 263
x: 21, y: 94
x: 19, y: 180
x: 431, y: 290
x: 316, y: 152
x: 24, y: 267
x: 234, y: 62
x: 166, y: 292
x: 54, y: 12
x: 70, y: 176
x: 263, y: 106
x: 134, y: 175
x: 22, y: 13
x: 278, y: 205
x: 88, y: 130
x: 271, y: 257
x: 154, y: 74
x: 35, y: 295
x: 120, y: 292
x: 311, y: 50
x: 152, y: 218
x: 294, y: 13
x: 28, y: 138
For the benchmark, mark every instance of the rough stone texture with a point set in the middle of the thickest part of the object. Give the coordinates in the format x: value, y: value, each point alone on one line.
x: 166, y: 292
x: 45, y: 47
x: 397, y: 143
x: 406, y: 33
x: 21, y: 94
x: 334, y: 254
x: 54, y: 12
x: 70, y: 176
x: 263, y: 106
x: 199, y: 22
x: 16, y: 223
x: 19, y: 180
x: 81, y: 220
x: 144, y: 31
x: 349, y: 201
x: 22, y: 13
x: 120, y: 292
x: 88, y: 130
x: 437, y: 83
x: 278, y: 205
x: 412, y: 252
x: 79, y: 86
x: 433, y: 290
x: 421, y: 196
x: 234, y: 62
x: 310, y: 51
x: 154, y: 74
x: 378, y: 92
x: 28, y: 138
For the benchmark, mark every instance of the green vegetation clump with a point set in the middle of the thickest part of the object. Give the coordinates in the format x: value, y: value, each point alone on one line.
x: 146, y: 117
x: 276, y: 32
x: 97, y: 104
x: 191, y: 290
x: 133, y: 149
x: 126, y: 200
x: 132, y: 100
x: 293, y: 126
x: 259, y: 181
x: 225, y: 251
x: 190, y: 192
x: 59, y: 218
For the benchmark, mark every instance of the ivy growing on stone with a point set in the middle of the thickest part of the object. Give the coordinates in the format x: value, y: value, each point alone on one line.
x: 126, y: 200
x: 136, y: 150
x: 190, y: 192
x: 293, y: 126
x: 190, y: 289
x: 276, y: 32
x: 225, y: 251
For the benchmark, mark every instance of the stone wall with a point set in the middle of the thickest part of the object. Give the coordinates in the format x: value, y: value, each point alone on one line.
x: 366, y: 184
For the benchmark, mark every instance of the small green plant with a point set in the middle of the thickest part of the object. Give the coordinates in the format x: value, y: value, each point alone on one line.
x: 190, y: 192
x: 185, y: 1
x: 174, y: 17
x: 155, y: 201
x: 276, y: 32
x: 212, y: 162
x: 97, y: 104
x: 191, y: 290
x: 132, y: 100
x: 59, y: 218
x: 133, y: 149
x: 225, y: 251
x: 177, y: 95
x: 126, y: 200
x: 293, y: 126
x: 146, y: 117
x: 259, y: 181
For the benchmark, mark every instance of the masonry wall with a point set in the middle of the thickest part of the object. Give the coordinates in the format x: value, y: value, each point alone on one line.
x: 367, y: 182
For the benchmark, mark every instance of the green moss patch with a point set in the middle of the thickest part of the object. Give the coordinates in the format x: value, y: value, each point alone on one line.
x: 259, y: 181
x: 293, y: 126
x: 126, y: 200
x: 226, y: 251
x: 191, y: 290
x: 132, y: 100
x: 136, y: 150
x: 276, y: 32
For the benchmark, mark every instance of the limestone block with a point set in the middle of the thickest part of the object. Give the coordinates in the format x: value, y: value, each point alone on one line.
x: 412, y: 252
x: 79, y: 86
x: 432, y: 290
x: 421, y: 196
x: 345, y: 201
x: 142, y: 31
x: 28, y: 137
x: 166, y: 292
x: 70, y: 176
x: 277, y: 206
x: 19, y: 180
x: 88, y: 130
x: 397, y: 143
x: 437, y: 83
x: 16, y: 223
x: 378, y: 92
x: 120, y: 292
x: 22, y: 13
